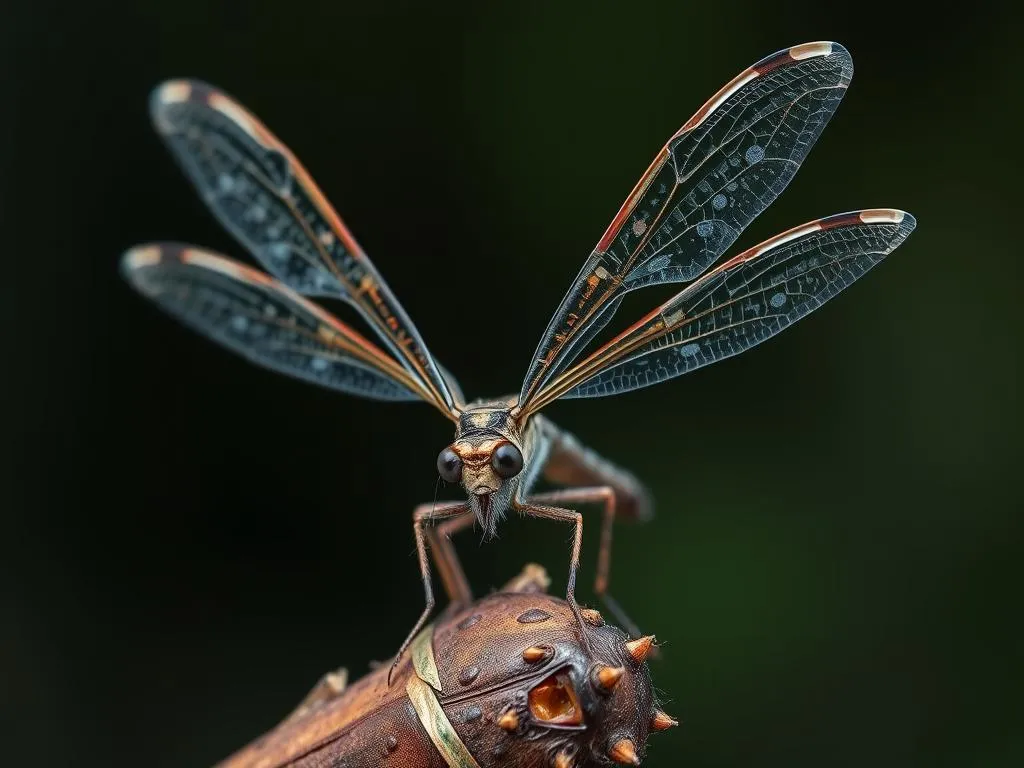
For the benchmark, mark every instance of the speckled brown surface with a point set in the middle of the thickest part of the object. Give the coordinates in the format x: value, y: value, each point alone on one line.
x: 488, y: 662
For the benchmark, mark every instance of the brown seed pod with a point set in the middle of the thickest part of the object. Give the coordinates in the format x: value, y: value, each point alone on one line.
x: 507, y: 681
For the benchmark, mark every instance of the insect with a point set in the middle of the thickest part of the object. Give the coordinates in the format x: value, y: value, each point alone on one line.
x: 503, y: 681
x: 719, y: 171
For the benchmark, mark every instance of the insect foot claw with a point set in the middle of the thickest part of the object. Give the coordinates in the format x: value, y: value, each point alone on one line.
x: 581, y: 623
x: 391, y: 671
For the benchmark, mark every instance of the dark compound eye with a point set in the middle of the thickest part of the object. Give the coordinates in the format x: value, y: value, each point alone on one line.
x: 449, y: 466
x: 507, y: 460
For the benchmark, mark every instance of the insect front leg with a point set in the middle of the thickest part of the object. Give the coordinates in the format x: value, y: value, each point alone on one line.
x: 600, y: 495
x: 447, y: 562
x: 423, y: 514
x: 534, y: 509
x: 569, y: 462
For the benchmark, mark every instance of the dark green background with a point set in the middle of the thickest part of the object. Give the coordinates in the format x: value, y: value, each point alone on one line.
x: 835, y: 567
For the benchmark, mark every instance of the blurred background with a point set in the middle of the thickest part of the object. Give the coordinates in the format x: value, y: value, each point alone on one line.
x: 835, y: 568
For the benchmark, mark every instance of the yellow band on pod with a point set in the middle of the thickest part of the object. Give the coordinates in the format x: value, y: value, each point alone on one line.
x: 420, y: 690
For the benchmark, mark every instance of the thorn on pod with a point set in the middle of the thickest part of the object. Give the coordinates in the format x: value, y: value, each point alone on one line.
x: 608, y: 677
x: 639, y: 649
x: 623, y: 752
x: 536, y: 653
x: 663, y: 721
x: 509, y: 721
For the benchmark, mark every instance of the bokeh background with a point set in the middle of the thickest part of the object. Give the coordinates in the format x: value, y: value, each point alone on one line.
x: 835, y: 570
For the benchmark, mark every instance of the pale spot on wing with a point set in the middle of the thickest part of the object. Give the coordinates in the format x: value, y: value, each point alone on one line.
x: 659, y: 263
x: 279, y: 251
x: 881, y: 216
x: 146, y: 256
x: 689, y: 350
x: 809, y: 50
x: 235, y: 113
x: 174, y: 91
x: 212, y: 263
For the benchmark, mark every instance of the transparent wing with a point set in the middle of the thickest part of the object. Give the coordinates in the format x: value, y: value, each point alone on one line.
x: 265, y: 321
x: 261, y: 194
x: 715, y: 175
x: 739, y: 304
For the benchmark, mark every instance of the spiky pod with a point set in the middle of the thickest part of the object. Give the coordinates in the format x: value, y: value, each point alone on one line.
x: 509, y: 681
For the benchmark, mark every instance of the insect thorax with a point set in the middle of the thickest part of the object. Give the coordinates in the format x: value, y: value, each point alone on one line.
x: 488, y: 420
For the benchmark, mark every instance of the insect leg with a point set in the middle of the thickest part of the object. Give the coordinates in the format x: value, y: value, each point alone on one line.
x: 422, y: 514
x: 571, y: 463
x: 447, y: 562
x: 565, y: 516
x: 607, y: 496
